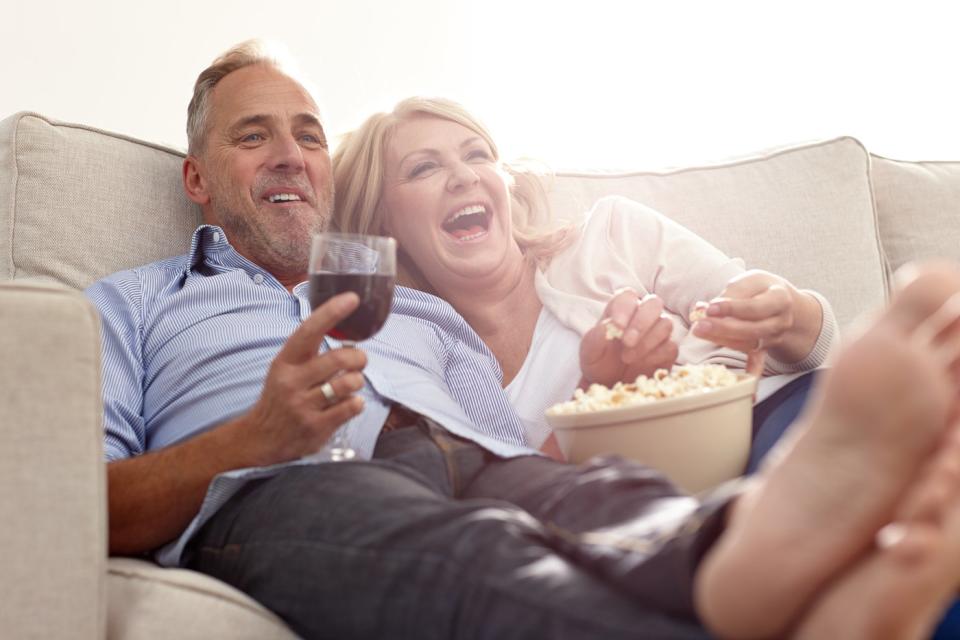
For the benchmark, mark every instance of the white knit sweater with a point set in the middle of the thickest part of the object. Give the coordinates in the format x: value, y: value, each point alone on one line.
x: 623, y: 243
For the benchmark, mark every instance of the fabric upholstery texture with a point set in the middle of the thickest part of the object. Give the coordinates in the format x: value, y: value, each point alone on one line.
x: 53, y: 539
x: 146, y: 601
x: 918, y: 209
x: 805, y: 213
x: 81, y: 203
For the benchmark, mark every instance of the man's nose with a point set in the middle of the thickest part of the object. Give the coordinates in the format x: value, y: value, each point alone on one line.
x: 286, y: 155
x: 462, y: 175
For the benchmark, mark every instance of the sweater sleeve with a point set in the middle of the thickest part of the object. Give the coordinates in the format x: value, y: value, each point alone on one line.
x: 666, y: 258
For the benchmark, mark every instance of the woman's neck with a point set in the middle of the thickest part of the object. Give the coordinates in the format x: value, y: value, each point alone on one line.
x: 504, y: 314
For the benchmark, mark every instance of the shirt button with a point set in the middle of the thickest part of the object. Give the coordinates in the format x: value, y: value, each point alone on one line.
x: 216, y: 236
x: 258, y: 278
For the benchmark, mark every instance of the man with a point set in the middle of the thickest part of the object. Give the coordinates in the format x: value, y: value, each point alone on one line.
x: 220, y: 387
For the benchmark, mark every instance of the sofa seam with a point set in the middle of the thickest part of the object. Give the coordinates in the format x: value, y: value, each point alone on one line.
x: 13, y: 195
x: 112, y: 134
x: 885, y: 272
x: 877, y: 155
x: 709, y: 167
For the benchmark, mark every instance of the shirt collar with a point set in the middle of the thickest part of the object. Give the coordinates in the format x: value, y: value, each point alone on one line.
x: 209, y: 246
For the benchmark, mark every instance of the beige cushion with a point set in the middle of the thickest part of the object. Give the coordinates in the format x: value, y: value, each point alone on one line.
x: 147, y: 602
x: 804, y: 212
x: 918, y: 206
x: 67, y: 188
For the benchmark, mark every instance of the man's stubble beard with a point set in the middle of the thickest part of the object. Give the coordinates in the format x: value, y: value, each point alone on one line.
x: 278, y: 253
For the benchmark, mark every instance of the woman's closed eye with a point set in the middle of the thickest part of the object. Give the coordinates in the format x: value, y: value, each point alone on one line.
x: 421, y: 168
x: 481, y: 155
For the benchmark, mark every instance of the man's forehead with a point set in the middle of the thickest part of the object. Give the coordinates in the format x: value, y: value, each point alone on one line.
x: 264, y: 93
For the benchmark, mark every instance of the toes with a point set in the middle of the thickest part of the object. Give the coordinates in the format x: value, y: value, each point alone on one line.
x: 920, y: 291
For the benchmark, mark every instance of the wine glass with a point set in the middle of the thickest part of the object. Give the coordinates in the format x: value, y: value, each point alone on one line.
x: 366, y: 265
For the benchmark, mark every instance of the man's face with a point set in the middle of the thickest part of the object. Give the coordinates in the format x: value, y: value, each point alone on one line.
x: 264, y: 172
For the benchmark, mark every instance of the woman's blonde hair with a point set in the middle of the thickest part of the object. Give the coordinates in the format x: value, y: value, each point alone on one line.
x: 358, y: 175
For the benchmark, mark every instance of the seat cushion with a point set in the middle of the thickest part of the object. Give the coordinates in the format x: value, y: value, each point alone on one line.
x: 803, y: 212
x: 146, y: 601
x: 918, y: 206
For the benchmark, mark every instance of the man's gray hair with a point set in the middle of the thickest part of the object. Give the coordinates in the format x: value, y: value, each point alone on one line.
x: 245, y: 54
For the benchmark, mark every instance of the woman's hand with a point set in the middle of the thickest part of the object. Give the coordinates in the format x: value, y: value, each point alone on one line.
x: 644, y: 346
x: 759, y: 311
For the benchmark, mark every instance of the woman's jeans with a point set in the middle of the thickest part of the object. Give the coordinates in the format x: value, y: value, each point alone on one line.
x: 437, y: 538
x: 773, y: 416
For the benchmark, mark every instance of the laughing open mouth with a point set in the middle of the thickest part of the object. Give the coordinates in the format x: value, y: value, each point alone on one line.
x: 283, y: 197
x: 467, y: 223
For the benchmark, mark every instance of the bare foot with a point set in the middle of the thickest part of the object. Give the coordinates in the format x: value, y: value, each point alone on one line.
x: 899, y: 591
x: 844, y: 469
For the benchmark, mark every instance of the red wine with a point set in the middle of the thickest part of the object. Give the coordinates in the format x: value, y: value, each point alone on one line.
x: 376, y: 294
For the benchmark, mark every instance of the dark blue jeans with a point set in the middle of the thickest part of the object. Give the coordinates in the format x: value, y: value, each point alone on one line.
x: 435, y: 538
x: 773, y: 416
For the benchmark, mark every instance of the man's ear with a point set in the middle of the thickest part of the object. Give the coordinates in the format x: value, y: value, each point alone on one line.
x: 194, y: 183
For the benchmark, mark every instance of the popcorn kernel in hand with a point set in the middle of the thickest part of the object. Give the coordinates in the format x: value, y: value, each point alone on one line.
x: 613, y: 332
x: 699, y: 311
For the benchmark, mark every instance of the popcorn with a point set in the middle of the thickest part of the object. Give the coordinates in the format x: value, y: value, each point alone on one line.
x: 682, y: 380
x: 699, y: 311
x: 613, y: 332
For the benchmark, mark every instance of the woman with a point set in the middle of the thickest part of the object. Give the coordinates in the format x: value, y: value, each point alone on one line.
x: 469, y: 231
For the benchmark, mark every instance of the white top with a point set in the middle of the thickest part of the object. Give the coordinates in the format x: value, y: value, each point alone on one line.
x: 623, y: 243
x: 550, y: 373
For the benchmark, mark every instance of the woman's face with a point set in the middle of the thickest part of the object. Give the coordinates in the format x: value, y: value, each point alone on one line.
x: 445, y: 199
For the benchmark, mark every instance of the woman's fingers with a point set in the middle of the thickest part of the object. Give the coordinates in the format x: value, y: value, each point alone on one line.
x: 742, y: 335
x: 647, y: 314
x: 773, y: 301
x: 653, y: 337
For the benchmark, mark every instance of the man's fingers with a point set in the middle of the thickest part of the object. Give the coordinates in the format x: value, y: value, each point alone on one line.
x: 343, y: 387
x: 331, y: 418
x: 325, y: 366
x: 305, y: 341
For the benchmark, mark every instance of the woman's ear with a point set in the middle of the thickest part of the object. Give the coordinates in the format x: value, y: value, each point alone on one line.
x: 194, y: 182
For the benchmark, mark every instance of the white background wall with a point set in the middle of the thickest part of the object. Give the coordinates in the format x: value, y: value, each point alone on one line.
x: 603, y: 84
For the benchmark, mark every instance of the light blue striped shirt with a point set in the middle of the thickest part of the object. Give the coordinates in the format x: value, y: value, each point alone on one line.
x: 187, y: 343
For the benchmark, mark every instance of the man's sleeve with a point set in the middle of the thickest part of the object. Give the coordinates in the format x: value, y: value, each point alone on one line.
x: 119, y: 300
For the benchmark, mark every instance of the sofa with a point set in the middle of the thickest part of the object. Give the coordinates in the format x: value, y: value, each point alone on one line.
x: 78, y: 203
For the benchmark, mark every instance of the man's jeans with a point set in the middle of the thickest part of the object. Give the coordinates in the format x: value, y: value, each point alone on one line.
x: 437, y: 538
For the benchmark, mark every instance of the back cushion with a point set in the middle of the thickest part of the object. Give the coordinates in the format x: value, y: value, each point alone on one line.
x: 918, y: 206
x: 805, y: 213
x: 78, y: 203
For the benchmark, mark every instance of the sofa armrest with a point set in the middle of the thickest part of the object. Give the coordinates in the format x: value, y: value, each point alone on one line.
x: 53, y: 540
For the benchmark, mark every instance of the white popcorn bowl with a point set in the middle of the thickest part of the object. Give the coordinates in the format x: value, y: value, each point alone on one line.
x: 697, y: 441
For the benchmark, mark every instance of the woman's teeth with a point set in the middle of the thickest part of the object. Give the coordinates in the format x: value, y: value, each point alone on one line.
x: 468, y: 223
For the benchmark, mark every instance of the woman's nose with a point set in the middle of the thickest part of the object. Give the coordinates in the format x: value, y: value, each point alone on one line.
x: 462, y: 175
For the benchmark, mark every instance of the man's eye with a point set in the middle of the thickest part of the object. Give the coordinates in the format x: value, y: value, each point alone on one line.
x: 310, y: 138
x: 252, y: 137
